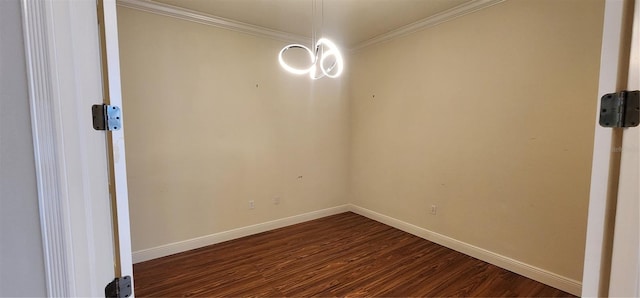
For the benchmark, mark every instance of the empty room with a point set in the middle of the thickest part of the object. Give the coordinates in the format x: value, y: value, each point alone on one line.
x: 448, y: 130
x: 305, y: 148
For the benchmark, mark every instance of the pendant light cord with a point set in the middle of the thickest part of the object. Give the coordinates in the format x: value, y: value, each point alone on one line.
x: 313, y: 23
x: 320, y: 52
x: 321, y: 18
x: 314, y: 19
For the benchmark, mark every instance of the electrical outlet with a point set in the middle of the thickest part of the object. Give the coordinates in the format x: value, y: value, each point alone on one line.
x: 252, y: 204
x: 276, y: 200
x: 434, y: 209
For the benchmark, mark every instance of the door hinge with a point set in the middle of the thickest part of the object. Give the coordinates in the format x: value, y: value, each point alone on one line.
x: 620, y: 109
x: 120, y: 287
x: 106, y: 117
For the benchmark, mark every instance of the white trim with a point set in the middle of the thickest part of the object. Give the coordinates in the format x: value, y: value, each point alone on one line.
x: 117, y: 139
x: 563, y: 283
x: 431, y: 21
x: 211, y: 20
x: 63, y: 66
x: 181, y: 246
x: 593, y: 277
x: 625, y: 256
x: 47, y: 142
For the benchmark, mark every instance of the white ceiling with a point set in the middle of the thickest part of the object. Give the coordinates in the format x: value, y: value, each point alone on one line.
x: 348, y: 22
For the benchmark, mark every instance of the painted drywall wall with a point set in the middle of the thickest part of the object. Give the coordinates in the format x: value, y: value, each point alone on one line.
x: 213, y: 122
x: 489, y: 117
x: 21, y: 256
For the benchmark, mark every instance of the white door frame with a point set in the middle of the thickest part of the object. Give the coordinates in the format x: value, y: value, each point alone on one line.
x: 625, y: 258
x: 117, y: 154
x: 606, y: 156
x: 64, y: 78
x: 53, y: 198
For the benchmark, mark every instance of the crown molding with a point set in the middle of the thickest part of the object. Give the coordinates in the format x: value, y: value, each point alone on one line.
x: 431, y: 21
x: 211, y: 20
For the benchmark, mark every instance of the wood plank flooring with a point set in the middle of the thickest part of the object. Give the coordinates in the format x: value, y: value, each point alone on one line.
x: 344, y: 255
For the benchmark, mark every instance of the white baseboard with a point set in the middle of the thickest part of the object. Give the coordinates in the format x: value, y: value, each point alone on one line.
x: 563, y: 283
x: 181, y: 246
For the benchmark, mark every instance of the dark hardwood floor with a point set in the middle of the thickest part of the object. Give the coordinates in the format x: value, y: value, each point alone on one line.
x: 341, y: 255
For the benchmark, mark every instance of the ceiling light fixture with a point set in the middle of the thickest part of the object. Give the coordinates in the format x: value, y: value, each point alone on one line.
x: 326, y: 56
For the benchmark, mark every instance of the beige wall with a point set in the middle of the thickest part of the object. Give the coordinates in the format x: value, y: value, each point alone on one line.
x: 489, y: 117
x: 213, y: 122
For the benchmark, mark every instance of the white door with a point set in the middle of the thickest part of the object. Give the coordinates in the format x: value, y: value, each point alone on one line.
x: 612, y: 253
x: 85, y: 231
